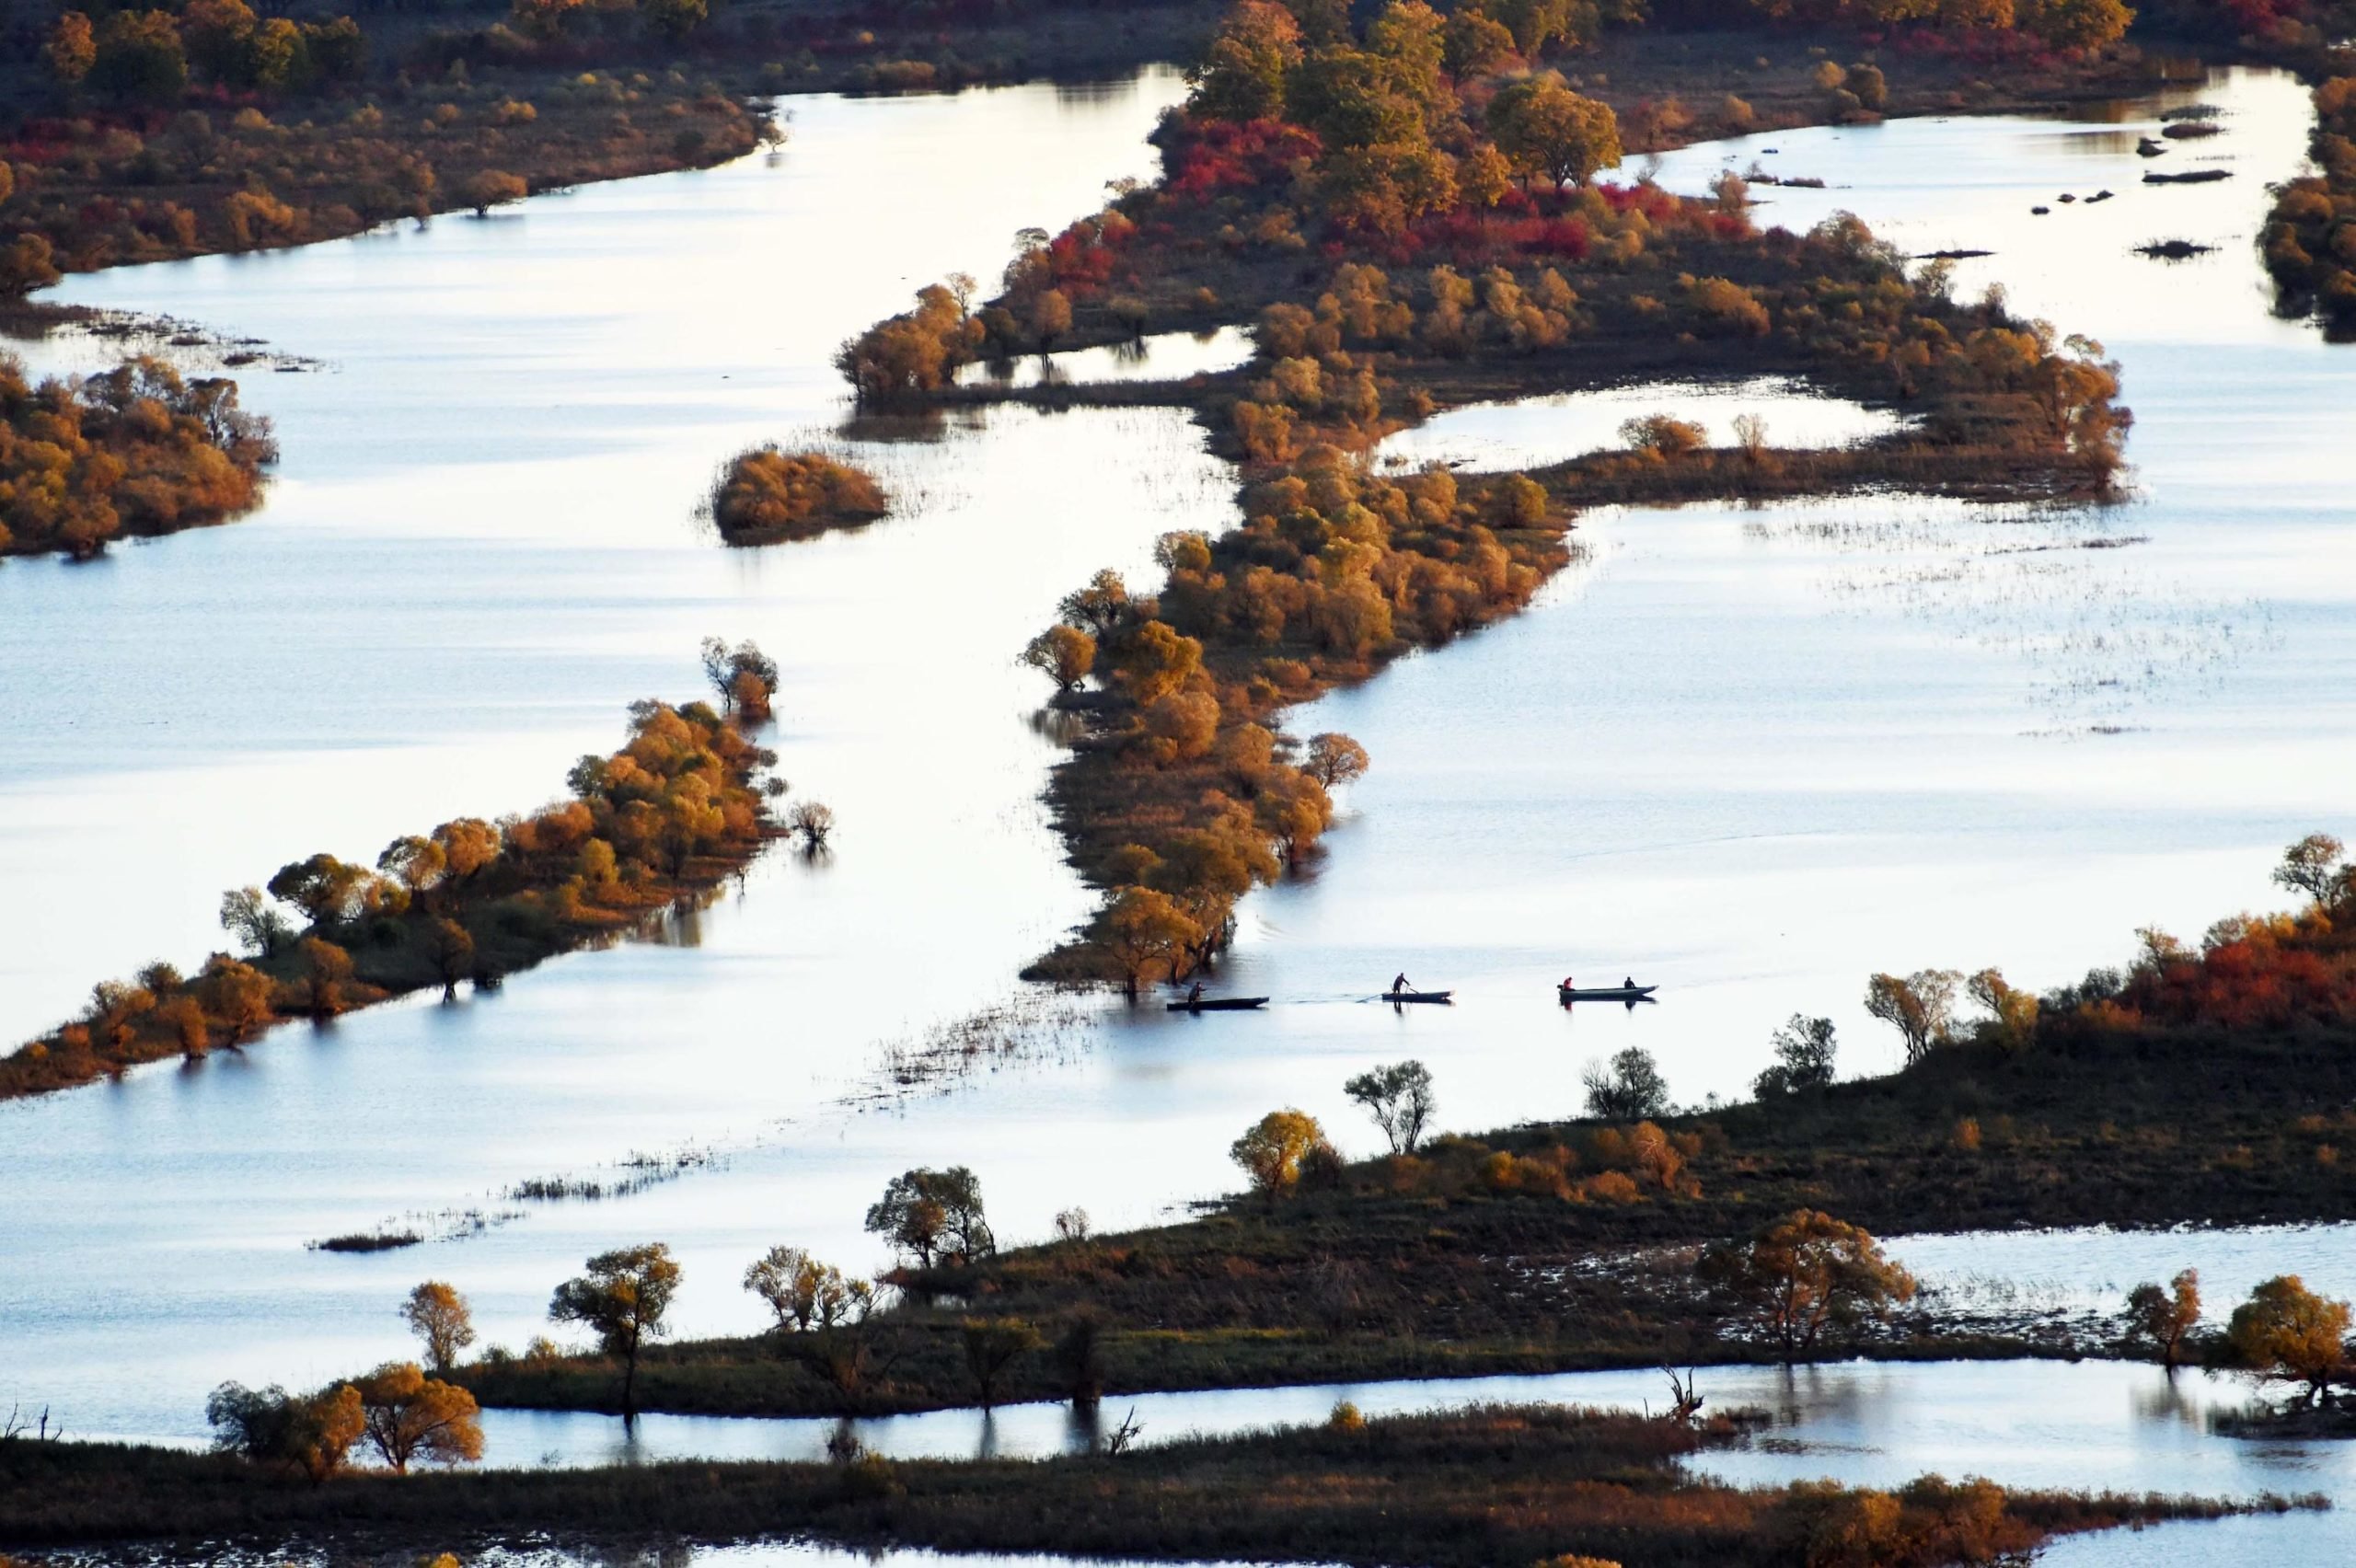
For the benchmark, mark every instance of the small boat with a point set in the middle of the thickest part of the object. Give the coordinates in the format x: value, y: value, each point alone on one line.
x: 1398, y: 996
x: 1606, y: 993
x: 1218, y: 1004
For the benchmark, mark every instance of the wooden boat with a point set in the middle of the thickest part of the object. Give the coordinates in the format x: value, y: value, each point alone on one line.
x: 1398, y: 996
x: 1218, y: 1004
x: 1606, y: 993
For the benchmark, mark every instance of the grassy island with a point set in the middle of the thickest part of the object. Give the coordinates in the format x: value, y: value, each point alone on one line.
x: 135, y: 451
x: 1409, y: 219
x: 1566, y: 1488
x: 665, y: 819
x: 2197, y: 1085
x: 767, y: 496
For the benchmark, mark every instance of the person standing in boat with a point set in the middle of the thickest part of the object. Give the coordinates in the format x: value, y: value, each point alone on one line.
x: 1195, y: 994
x: 1399, y: 985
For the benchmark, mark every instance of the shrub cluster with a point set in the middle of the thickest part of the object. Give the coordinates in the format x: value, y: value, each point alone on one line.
x: 766, y: 495
x: 136, y: 450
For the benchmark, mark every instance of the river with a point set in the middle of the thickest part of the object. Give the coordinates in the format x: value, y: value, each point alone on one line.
x: 1750, y: 754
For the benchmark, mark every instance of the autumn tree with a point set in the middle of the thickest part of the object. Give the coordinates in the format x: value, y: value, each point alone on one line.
x: 935, y: 1216
x: 2315, y: 866
x: 1921, y: 1007
x: 139, y: 56
x: 1803, y: 1048
x: 236, y: 994
x: 1334, y: 759
x: 1274, y: 1149
x: 1803, y: 1274
x: 1543, y: 128
x: 441, y: 1319
x: 1399, y: 1097
x: 2163, y: 1317
x: 325, y: 969
x: 621, y: 1298
x: 486, y: 188
x: 767, y: 494
x: 2286, y: 1333
x: 1146, y: 933
x: 1065, y: 654
x: 1628, y: 1088
x: 2012, y: 1012
x: 312, y: 1435
x: 1242, y: 72
x: 247, y: 915
x: 452, y: 948
x: 1154, y: 660
x: 804, y: 1293
x: 991, y: 1344
x: 742, y: 675
x: 72, y: 48
x: 1099, y: 608
x: 409, y: 1417
x: 2074, y: 24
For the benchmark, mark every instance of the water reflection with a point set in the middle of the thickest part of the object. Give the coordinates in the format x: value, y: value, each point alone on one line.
x: 1534, y: 431
x: 1165, y: 356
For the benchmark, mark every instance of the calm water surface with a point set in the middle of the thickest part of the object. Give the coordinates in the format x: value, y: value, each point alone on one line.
x: 1751, y: 756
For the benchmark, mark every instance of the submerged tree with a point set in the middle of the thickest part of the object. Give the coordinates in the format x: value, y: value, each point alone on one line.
x: 1065, y: 654
x: 744, y: 677
x: 1334, y: 760
x: 2162, y: 1318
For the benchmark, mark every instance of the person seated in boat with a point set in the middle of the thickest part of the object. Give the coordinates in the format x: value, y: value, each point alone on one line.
x: 1569, y: 983
x: 1195, y: 993
x: 1628, y: 982
x: 1399, y: 985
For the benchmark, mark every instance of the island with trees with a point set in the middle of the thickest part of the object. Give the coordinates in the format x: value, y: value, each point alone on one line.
x: 766, y: 496
x: 1408, y: 220
x: 133, y: 452
x: 666, y: 819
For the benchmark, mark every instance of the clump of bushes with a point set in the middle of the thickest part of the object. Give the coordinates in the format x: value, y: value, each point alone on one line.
x: 766, y: 495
